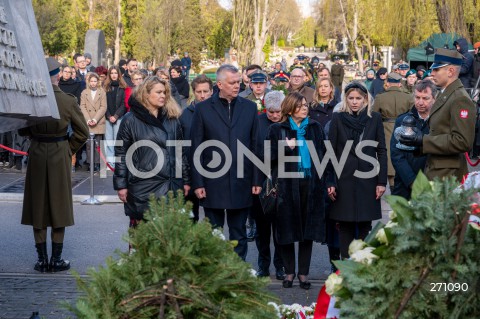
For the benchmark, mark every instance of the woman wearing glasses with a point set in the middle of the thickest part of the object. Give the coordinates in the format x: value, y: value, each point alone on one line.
x: 362, y: 181
x: 300, y: 216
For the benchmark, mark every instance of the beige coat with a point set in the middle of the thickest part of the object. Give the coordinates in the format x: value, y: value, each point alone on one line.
x: 452, y: 130
x: 390, y: 104
x: 94, y: 109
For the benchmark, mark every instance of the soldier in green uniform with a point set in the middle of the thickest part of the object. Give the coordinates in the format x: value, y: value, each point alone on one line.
x: 410, y: 80
x: 451, y: 121
x: 390, y: 104
x: 338, y: 73
x: 48, y: 191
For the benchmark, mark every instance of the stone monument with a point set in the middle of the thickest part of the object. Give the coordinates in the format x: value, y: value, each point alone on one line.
x: 26, y: 95
x: 95, y: 45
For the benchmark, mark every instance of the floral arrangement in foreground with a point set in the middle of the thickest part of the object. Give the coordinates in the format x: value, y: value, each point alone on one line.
x: 294, y: 311
x: 422, y: 264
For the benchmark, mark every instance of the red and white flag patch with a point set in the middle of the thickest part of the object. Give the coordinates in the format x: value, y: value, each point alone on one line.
x: 464, y: 114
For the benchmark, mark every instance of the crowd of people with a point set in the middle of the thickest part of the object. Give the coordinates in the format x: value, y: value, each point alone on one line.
x: 292, y: 119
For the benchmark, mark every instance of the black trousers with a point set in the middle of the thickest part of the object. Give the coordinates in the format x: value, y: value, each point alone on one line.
x: 304, y: 247
x: 196, y: 204
x: 348, y: 231
x: 265, y: 228
x: 236, y: 220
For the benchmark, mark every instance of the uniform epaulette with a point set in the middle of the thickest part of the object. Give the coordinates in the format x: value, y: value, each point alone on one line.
x: 71, y: 95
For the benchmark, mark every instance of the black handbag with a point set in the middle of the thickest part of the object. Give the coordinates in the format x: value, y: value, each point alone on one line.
x: 268, y: 197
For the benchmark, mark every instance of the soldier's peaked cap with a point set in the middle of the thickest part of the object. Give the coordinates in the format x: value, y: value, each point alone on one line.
x: 444, y: 57
x: 53, y: 66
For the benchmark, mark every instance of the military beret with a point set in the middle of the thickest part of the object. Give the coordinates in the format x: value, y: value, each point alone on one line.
x: 411, y: 72
x: 382, y: 71
x: 444, y: 57
x: 421, y: 68
x: 426, y: 74
x: 282, y: 76
x: 53, y: 66
x: 404, y: 66
x: 258, y: 76
x: 394, y: 77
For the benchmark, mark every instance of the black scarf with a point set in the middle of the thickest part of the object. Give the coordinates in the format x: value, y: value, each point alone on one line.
x: 354, y: 124
x: 144, y: 115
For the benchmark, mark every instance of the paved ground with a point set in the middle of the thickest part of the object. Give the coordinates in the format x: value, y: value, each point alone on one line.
x: 97, y: 233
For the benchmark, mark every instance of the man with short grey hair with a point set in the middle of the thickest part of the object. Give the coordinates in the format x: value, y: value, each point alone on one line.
x: 226, y: 120
x: 297, y: 84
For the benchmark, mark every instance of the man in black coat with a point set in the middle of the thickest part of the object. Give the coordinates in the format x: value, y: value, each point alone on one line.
x: 466, y: 70
x: 225, y: 120
x: 407, y: 164
x: 202, y: 88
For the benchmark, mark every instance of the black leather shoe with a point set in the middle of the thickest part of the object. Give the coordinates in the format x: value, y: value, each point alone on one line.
x: 42, y: 264
x: 304, y: 284
x: 57, y: 263
x: 263, y: 273
x: 288, y: 283
x: 280, y: 274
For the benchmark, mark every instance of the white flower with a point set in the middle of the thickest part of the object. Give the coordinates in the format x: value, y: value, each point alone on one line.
x: 333, y: 284
x: 381, y: 236
x: 392, y: 214
x: 253, y: 272
x: 364, y: 256
x: 355, y: 246
x: 390, y: 224
x: 259, y: 105
x: 218, y: 233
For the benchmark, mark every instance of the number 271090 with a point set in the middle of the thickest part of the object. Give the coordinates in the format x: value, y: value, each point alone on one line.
x: 448, y: 287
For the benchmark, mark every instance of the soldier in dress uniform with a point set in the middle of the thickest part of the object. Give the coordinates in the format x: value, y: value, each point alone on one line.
x: 451, y: 121
x: 48, y: 189
x: 390, y: 104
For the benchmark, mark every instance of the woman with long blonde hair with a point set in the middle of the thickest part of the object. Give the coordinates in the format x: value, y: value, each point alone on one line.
x: 153, y: 119
x: 358, y: 131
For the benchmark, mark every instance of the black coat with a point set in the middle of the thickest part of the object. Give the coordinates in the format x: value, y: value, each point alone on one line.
x: 211, y: 122
x: 186, y: 120
x: 182, y: 86
x: 288, y: 218
x: 140, y: 125
x: 263, y: 127
x: 322, y: 114
x: 406, y: 164
x: 73, y: 87
x: 466, y: 70
x: 118, y: 109
x: 355, y: 200
x: 377, y: 87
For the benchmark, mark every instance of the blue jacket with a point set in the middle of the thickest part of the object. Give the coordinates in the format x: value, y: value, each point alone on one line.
x: 406, y: 164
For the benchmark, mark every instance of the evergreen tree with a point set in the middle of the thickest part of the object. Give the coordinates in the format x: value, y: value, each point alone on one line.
x: 178, y: 270
x: 425, y: 264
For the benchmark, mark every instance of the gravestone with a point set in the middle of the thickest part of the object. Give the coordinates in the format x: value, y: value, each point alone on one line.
x: 26, y: 95
x: 95, y: 45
